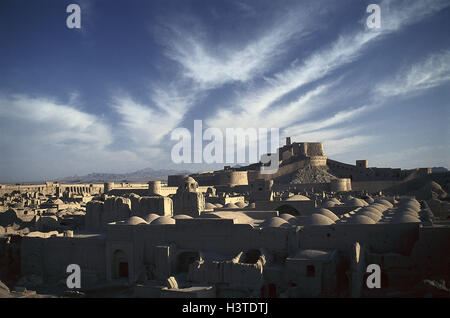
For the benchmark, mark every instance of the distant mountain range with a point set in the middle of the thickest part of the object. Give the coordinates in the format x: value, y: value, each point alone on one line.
x: 143, y: 175
x: 439, y: 170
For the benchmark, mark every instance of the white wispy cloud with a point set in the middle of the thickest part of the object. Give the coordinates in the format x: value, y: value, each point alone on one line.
x: 65, y: 123
x: 338, y: 118
x: 45, y: 137
x: 203, y: 67
x: 397, y: 14
x: 271, y: 118
x: 345, y: 50
x: 66, y: 137
x: 347, y: 144
x: 431, y: 72
x: 324, y: 134
x: 434, y: 71
x: 428, y: 73
x: 213, y: 66
x: 147, y: 124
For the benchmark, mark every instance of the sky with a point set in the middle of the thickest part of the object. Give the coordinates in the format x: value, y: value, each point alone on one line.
x: 106, y: 97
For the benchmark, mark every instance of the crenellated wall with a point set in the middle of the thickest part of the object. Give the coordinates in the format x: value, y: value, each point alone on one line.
x: 52, y: 188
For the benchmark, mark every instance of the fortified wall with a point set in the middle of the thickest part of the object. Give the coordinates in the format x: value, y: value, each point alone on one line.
x: 49, y: 188
x: 227, y: 177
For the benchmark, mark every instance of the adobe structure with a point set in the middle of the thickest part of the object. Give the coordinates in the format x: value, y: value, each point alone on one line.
x: 303, y: 165
x: 309, y: 230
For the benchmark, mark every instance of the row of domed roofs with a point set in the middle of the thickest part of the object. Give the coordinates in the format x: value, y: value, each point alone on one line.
x: 155, y: 219
x: 237, y: 205
x: 348, y: 201
x: 320, y: 217
x: 382, y: 210
x: 246, y: 205
x: 407, y: 210
x: 297, y: 197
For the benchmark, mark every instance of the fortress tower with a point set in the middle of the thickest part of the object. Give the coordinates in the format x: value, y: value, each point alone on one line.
x: 188, y: 199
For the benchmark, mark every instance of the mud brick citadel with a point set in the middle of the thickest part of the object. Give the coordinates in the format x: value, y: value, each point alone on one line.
x: 311, y: 229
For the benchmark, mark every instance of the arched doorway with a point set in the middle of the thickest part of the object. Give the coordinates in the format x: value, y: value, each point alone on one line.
x: 120, y: 265
x: 272, y: 291
x: 286, y: 208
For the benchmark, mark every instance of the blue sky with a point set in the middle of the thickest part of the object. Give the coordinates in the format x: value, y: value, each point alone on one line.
x: 106, y: 97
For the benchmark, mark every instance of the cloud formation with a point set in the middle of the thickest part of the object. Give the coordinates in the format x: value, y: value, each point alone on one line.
x: 297, y: 70
x: 434, y: 71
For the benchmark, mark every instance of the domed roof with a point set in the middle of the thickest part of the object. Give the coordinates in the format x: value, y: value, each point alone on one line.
x: 286, y: 216
x: 218, y: 205
x: 327, y: 213
x: 364, y: 202
x: 163, y: 220
x: 135, y: 220
x: 405, y: 219
x: 402, y: 213
x: 374, y: 216
x: 408, y: 200
x: 356, y: 202
x: 380, y: 207
x: 298, y: 197
x: 384, y: 202
x: 189, y: 185
x: 328, y: 204
x: 189, y: 180
x: 361, y: 219
x: 275, y: 222
x: 231, y: 206
x: 182, y: 217
x: 317, y: 219
x: 408, y: 209
x: 410, y: 205
x: 209, y: 206
x: 150, y: 217
x: 371, y: 210
x: 432, y: 187
x: 58, y: 201
x: 336, y: 200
